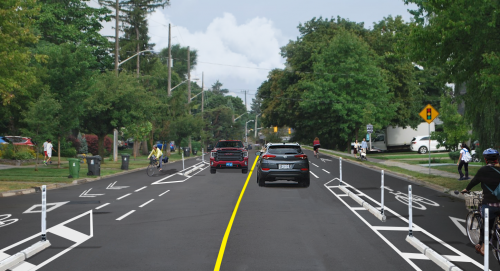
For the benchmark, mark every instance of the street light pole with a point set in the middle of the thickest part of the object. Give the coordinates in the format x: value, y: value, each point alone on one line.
x: 169, y: 61
x: 256, y: 126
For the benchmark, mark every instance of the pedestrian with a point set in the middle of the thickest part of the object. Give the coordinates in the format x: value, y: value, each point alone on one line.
x: 463, y: 161
x: 158, y: 154
x: 45, y: 150
x: 316, y: 146
x: 50, y: 148
x: 355, y: 151
x: 364, y: 146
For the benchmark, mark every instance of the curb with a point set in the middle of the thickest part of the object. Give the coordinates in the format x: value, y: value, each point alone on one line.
x: 75, y: 182
x: 404, y: 177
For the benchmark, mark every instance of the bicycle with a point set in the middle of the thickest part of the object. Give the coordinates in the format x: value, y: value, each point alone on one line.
x: 474, y: 223
x: 153, y: 166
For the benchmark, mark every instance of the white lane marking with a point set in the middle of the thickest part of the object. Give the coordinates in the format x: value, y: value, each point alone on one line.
x: 163, y: 193
x: 459, y: 226
x: 4, y: 221
x: 86, y: 194
x: 314, y: 174
x: 145, y: 203
x: 460, y: 255
x: 112, y: 186
x: 324, y: 159
x: 195, y: 167
x: 314, y: 164
x: 420, y: 256
x: 54, y: 205
x: 124, y: 196
x: 24, y: 266
x: 358, y: 208
x: 55, y: 230
x: 140, y: 189
x: 325, y: 171
x: 389, y: 228
x: 69, y: 233
x: 99, y: 207
x: 125, y: 215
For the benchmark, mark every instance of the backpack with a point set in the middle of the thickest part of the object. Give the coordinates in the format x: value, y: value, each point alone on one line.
x: 467, y: 157
x: 496, y: 192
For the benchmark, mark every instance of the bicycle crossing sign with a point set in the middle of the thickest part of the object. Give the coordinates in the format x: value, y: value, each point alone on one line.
x: 429, y: 113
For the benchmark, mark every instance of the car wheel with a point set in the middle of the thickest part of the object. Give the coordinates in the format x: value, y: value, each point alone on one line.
x: 305, y: 183
x: 244, y: 171
x: 422, y: 150
x: 261, y: 181
x: 213, y: 170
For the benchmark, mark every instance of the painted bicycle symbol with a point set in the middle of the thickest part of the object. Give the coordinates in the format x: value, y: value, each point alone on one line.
x: 4, y: 221
x: 418, y: 202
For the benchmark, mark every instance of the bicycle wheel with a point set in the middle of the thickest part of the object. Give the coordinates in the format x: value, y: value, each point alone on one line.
x: 496, y: 240
x: 151, y: 170
x: 473, y: 224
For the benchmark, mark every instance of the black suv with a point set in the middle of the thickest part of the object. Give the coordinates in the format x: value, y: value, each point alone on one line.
x: 283, y: 161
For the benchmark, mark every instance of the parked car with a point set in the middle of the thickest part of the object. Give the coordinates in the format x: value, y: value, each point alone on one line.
x: 420, y: 144
x: 20, y: 141
x: 283, y: 161
x: 4, y: 140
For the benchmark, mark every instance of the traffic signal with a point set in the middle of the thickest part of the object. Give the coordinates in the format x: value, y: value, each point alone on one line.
x: 289, y: 130
x: 275, y: 129
x: 429, y: 115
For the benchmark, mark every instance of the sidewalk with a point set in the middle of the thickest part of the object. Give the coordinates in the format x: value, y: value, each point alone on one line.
x: 415, y: 168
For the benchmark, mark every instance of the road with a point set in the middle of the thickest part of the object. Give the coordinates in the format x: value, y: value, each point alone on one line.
x: 178, y: 222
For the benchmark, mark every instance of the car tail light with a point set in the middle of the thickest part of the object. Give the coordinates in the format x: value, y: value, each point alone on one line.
x: 268, y: 156
x: 301, y: 156
x: 414, y: 142
x: 304, y: 169
x: 265, y: 169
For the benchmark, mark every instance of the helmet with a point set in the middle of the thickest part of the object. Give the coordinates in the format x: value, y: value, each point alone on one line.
x: 490, y: 154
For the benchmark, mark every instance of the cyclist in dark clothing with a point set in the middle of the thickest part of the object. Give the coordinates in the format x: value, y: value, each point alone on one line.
x: 489, y: 178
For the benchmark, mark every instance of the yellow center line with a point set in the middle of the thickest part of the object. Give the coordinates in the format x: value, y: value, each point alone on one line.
x: 228, y: 230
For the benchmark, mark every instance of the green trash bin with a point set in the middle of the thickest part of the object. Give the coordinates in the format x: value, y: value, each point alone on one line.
x: 74, y: 168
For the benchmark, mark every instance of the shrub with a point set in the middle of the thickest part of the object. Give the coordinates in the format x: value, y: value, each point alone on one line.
x: 83, y: 144
x: 74, y: 141
x: 23, y: 155
x: 8, y: 152
x: 454, y: 156
x: 68, y: 152
x: 93, y: 144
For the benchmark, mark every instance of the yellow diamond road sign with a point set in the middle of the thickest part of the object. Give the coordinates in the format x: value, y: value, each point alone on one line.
x: 429, y: 113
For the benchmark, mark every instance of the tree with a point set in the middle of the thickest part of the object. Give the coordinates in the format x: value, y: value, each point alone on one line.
x: 455, y: 129
x: 179, y: 56
x: 461, y: 37
x: 115, y: 101
x: 17, y: 18
x: 139, y: 132
x: 41, y: 119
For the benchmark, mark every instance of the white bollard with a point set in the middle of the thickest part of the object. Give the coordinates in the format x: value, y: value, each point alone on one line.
x: 382, y: 194
x: 486, y: 239
x: 202, y: 155
x: 410, y: 231
x: 44, y: 213
x: 340, y: 164
x: 182, y: 159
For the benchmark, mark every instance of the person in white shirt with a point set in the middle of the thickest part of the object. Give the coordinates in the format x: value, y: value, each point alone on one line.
x: 463, y: 163
x: 49, y: 150
x: 45, y: 150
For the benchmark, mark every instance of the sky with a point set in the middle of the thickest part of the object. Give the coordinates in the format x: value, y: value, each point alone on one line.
x: 238, y: 42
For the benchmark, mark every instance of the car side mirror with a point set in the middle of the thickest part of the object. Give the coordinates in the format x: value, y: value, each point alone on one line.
x: 257, y: 153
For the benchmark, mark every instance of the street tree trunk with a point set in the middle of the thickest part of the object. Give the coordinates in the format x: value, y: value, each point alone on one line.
x: 100, y: 149
x: 59, y: 152
x: 145, y: 150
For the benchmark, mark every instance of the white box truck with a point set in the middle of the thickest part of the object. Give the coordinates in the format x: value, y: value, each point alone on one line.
x: 397, y: 138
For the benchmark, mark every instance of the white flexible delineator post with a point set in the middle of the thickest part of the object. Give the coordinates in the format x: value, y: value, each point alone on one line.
x: 410, y: 215
x: 382, y: 194
x: 44, y: 213
x: 203, y: 155
x: 340, y: 165
x: 486, y: 239
x: 182, y: 159
x: 364, y: 204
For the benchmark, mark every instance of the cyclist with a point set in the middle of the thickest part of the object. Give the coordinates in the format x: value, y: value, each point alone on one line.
x: 316, y: 146
x: 489, y: 177
x: 156, y: 152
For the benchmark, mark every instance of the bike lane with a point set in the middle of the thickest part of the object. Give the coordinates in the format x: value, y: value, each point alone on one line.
x: 433, y: 211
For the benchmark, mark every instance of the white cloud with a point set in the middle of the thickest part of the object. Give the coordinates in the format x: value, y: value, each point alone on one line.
x: 255, y: 43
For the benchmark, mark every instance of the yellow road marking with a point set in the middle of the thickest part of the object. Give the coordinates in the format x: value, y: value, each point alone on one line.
x: 228, y: 230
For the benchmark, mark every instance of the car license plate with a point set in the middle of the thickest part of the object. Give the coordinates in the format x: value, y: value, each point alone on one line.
x: 229, y: 164
x: 284, y: 166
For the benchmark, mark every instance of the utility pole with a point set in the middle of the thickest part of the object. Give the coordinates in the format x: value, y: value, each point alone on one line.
x: 138, y: 51
x: 189, y: 90
x: 202, y: 102
x: 256, y: 126
x: 169, y: 61
x: 117, y: 48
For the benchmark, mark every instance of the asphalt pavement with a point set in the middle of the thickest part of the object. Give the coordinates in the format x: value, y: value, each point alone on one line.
x: 177, y: 221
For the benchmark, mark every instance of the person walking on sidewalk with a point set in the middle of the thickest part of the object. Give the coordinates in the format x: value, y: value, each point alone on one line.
x: 463, y: 161
x: 50, y: 148
x: 45, y: 150
x: 158, y: 154
x: 364, y: 146
x: 356, y: 147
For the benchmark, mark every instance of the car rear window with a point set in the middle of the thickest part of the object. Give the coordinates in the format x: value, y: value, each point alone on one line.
x: 284, y: 150
x: 229, y: 144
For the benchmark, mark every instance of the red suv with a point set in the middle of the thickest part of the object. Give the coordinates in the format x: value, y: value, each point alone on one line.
x: 229, y: 154
x: 22, y: 141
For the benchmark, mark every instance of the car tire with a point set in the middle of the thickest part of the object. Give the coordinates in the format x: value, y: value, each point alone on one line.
x: 213, y: 170
x: 244, y: 171
x: 261, y: 181
x: 422, y: 150
x: 305, y: 183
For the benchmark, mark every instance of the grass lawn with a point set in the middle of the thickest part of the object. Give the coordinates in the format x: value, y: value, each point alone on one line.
x: 450, y: 183
x: 385, y: 156
x: 27, y: 177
